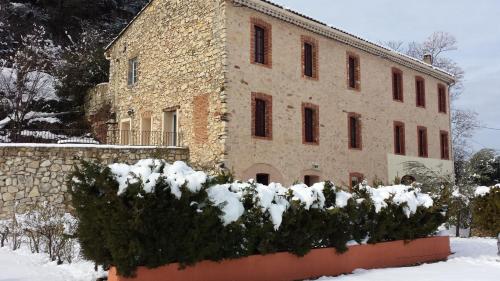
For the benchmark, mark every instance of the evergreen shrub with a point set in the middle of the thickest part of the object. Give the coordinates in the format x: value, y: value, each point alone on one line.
x: 144, y: 226
x: 486, y: 211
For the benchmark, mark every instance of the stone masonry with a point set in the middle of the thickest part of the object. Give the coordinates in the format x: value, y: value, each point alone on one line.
x: 29, y: 175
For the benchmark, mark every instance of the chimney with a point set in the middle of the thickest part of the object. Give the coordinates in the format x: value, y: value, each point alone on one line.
x: 428, y: 59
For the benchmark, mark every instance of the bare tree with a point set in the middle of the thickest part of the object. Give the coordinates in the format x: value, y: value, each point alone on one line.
x: 24, y: 80
x: 438, y: 45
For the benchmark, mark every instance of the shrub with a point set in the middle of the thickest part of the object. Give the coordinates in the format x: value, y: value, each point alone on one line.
x: 486, y: 210
x: 153, y: 213
x: 45, y: 228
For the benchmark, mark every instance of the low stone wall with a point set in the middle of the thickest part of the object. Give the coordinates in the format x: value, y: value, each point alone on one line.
x: 31, y: 174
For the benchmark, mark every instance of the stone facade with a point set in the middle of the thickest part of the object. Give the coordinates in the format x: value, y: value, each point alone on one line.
x: 179, y: 47
x: 199, y: 52
x: 372, y: 99
x: 29, y: 175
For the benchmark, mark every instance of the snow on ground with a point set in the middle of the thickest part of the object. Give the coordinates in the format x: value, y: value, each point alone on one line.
x: 475, y: 259
x: 22, y: 265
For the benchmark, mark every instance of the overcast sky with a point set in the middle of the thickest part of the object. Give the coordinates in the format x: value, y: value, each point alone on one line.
x: 475, y: 24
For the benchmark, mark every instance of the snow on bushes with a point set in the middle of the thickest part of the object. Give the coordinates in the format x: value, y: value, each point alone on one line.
x: 153, y: 213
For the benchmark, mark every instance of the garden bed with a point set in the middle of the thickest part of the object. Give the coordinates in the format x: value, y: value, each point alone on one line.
x: 288, y: 267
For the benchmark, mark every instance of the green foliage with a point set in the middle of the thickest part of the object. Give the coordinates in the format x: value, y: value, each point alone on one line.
x: 152, y: 229
x: 486, y: 212
x: 484, y: 168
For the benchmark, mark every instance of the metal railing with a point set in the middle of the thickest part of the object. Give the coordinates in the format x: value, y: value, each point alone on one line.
x: 77, y: 136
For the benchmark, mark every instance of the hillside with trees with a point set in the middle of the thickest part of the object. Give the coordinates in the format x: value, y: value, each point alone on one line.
x: 51, y: 53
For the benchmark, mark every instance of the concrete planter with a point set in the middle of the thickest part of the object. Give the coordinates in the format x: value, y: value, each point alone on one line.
x: 287, y: 267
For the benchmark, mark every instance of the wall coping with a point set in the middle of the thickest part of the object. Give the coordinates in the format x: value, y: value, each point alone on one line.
x: 55, y: 145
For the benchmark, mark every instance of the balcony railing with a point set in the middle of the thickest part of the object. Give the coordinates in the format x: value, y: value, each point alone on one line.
x: 109, y: 137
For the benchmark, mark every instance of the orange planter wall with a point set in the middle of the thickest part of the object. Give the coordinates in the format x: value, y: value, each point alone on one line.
x: 287, y: 267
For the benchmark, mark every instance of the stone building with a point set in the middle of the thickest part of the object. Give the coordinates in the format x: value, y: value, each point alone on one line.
x: 274, y: 95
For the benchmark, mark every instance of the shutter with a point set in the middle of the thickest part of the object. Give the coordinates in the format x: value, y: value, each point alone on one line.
x: 352, y: 72
x: 259, y: 45
x: 309, y: 125
x: 353, y: 132
x: 308, y: 59
x: 260, y: 118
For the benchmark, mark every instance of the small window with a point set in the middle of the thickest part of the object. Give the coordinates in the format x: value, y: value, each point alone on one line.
x: 354, y: 131
x: 397, y: 85
x: 260, y: 46
x: 420, y: 91
x: 308, y: 60
x: 353, y: 71
x: 132, y: 71
x: 260, y: 118
x: 260, y: 51
x: 262, y: 115
x: 310, y: 124
x: 445, y: 145
x: 310, y: 180
x: 355, y: 179
x: 399, y: 138
x: 309, y: 57
x: 442, y: 99
x: 422, y: 142
x: 262, y: 179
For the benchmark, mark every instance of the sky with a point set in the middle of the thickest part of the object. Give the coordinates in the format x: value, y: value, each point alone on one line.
x: 475, y: 24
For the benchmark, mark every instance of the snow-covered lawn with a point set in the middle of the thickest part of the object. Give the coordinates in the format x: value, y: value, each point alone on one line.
x: 475, y: 259
x: 22, y: 265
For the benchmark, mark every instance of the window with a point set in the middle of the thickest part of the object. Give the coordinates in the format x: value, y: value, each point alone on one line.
x: 261, y: 44
x: 355, y: 179
x: 397, y: 84
x: 125, y: 135
x: 353, y: 71
x: 310, y: 127
x: 132, y: 71
x: 170, y: 127
x: 445, y: 145
x: 309, y: 57
x: 354, y: 128
x: 262, y: 179
x: 442, y: 98
x: 399, y: 138
x: 310, y: 180
x: 422, y: 142
x: 146, y: 129
x: 262, y: 116
x: 420, y: 91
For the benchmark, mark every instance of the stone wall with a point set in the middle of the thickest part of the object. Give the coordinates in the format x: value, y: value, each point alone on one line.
x: 179, y: 47
x: 35, y: 174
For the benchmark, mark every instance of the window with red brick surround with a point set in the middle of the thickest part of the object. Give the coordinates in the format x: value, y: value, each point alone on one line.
x: 397, y: 84
x: 420, y: 91
x: 399, y: 138
x: 354, y: 131
x: 355, y: 179
x: 309, y: 57
x: 445, y: 145
x: 422, y: 142
x: 310, y: 123
x: 353, y: 71
x: 261, y: 42
x: 442, y: 98
x: 262, y: 116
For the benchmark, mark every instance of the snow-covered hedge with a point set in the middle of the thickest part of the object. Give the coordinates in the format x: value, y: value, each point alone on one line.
x: 153, y: 213
x: 486, y: 209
